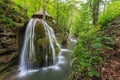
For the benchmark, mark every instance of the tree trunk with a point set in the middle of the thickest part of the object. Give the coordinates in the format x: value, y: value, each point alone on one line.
x: 57, y: 12
x: 95, y: 10
x: 43, y: 6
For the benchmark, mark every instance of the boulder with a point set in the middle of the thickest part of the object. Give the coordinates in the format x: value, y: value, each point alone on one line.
x: 41, y: 40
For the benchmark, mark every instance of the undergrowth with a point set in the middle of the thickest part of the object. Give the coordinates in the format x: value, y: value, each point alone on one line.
x: 86, y: 56
x: 11, y: 14
x: 111, y: 11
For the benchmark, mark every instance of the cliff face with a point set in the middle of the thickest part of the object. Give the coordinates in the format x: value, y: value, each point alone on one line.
x: 110, y: 70
x: 8, y: 47
x: 12, y: 16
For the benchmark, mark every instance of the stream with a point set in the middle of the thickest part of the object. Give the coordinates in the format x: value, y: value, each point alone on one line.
x: 60, y: 71
x: 32, y: 52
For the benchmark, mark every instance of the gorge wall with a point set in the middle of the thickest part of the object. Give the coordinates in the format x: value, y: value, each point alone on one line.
x: 11, y: 20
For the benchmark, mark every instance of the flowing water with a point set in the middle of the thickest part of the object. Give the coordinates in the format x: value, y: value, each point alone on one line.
x: 72, y: 38
x: 29, y: 48
x: 58, y: 71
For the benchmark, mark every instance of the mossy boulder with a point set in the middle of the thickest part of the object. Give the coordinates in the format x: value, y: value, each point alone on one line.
x: 41, y: 41
x: 42, y: 46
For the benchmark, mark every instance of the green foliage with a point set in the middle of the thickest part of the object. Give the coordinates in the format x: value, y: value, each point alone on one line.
x: 86, y: 55
x: 31, y: 6
x: 7, y: 21
x: 111, y: 11
x: 62, y: 12
x: 11, y: 14
x: 82, y: 20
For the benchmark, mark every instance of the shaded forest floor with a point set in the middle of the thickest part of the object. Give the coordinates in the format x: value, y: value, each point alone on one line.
x: 110, y: 70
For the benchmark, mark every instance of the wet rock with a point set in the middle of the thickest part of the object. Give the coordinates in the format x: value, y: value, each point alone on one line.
x: 42, y: 46
x: 7, y: 51
x: 2, y: 51
x: 8, y: 35
x: 1, y: 30
x: 9, y: 22
x: 7, y: 41
x: 40, y: 43
x: 8, y: 48
x: 0, y: 46
x: 43, y: 42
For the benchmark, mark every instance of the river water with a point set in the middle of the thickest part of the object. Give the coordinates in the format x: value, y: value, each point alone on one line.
x: 60, y: 71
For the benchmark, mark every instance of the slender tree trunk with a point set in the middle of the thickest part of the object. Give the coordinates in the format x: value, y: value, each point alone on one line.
x: 44, y: 7
x: 95, y: 11
x: 57, y: 12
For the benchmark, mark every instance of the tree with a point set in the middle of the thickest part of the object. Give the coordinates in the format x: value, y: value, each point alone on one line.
x: 43, y: 7
x: 94, y: 5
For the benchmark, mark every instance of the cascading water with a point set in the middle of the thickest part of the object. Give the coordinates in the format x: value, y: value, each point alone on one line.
x: 72, y: 38
x: 52, y: 39
x: 28, y: 49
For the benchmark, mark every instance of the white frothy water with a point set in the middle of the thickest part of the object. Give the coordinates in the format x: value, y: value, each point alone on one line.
x: 52, y: 39
x: 72, y: 38
x: 29, y: 48
x: 56, y: 67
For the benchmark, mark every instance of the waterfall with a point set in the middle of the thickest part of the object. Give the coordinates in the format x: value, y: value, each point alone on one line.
x: 52, y: 39
x: 28, y: 49
x: 72, y: 38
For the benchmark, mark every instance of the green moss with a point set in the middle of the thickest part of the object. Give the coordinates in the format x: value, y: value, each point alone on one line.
x: 56, y: 49
x: 7, y: 21
x: 39, y: 30
x: 43, y: 42
x: 49, y: 22
x: 110, y: 13
x: 40, y: 42
x: 11, y: 14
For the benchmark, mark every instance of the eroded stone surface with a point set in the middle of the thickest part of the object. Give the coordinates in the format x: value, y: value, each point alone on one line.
x: 8, y: 46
